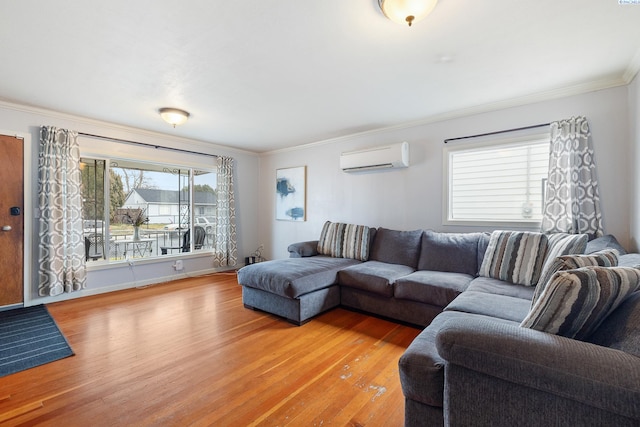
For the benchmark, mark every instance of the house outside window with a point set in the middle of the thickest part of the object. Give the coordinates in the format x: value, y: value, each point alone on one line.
x: 496, y: 183
x: 149, y: 212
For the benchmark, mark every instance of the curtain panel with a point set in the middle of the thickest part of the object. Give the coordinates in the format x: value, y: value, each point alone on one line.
x: 572, y: 200
x: 226, y: 251
x: 61, y: 249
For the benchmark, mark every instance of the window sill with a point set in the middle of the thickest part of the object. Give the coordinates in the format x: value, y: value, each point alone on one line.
x: 103, y: 265
x: 527, y: 225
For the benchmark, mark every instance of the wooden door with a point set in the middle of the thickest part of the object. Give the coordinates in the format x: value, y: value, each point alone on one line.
x: 11, y: 220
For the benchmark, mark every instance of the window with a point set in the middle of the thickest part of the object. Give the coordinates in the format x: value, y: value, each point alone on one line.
x: 497, y: 182
x: 152, y: 210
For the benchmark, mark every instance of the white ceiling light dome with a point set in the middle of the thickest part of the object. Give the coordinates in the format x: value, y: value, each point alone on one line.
x: 407, y: 11
x: 174, y: 116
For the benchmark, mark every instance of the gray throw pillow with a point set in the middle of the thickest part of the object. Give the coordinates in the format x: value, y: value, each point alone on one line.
x: 356, y: 242
x: 331, y: 239
x: 559, y: 244
x: 515, y: 257
x: 605, y: 258
x: 575, y: 302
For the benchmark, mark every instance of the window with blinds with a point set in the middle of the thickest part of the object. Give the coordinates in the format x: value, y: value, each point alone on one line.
x: 497, y: 182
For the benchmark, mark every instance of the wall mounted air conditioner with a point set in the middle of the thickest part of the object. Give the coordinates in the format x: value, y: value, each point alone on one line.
x: 387, y: 157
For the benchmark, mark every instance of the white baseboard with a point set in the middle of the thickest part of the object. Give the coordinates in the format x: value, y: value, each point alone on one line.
x: 121, y: 286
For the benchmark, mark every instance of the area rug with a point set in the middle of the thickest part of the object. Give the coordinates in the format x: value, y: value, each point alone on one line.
x: 29, y: 337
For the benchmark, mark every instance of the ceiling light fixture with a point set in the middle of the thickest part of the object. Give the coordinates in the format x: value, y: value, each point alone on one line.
x: 406, y: 11
x: 174, y: 116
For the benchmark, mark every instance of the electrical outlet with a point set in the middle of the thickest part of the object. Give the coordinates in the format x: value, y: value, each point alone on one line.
x: 178, y: 266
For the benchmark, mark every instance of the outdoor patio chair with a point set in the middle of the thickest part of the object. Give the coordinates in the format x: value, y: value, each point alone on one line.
x: 93, y: 246
x: 198, y: 241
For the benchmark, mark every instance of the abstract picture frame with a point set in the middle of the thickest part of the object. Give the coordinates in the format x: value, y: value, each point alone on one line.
x: 291, y: 194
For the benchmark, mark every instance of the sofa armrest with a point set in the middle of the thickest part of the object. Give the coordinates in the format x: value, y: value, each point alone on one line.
x: 303, y: 249
x: 560, y: 372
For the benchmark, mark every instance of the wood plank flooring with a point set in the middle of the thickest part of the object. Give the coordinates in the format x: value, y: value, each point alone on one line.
x: 188, y: 353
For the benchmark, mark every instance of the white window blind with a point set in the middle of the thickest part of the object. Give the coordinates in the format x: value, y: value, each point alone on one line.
x: 497, y: 182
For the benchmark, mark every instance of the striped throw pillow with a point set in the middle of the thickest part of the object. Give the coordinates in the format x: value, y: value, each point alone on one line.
x: 575, y: 302
x: 604, y: 258
x: 514, y: 256
x: 356, y: 242
x: 559, y: 244
x: 331, y: 239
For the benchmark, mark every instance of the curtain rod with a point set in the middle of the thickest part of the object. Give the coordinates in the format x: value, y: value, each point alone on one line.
x: 497, y: 132
x: 144, y: 144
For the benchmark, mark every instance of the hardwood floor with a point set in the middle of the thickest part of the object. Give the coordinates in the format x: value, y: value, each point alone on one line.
x: 189, y: 353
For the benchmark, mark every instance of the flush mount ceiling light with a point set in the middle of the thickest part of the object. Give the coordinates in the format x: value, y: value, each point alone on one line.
x: 174, y: 116
x: 406, y: 11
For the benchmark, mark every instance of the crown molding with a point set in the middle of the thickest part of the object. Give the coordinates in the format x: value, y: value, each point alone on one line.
x: 633, y: 68
x: 548, y: 95
x: 131, y: 132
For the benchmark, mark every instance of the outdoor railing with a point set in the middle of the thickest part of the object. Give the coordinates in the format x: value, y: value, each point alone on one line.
x: 122, y: 245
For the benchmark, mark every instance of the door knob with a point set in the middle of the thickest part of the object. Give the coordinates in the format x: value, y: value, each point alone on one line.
x: 6, y: 228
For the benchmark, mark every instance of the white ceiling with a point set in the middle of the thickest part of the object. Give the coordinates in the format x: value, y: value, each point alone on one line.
x: 262, y: 75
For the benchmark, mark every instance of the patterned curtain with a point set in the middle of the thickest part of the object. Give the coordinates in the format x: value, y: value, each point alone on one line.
x: 226, y: 253
x: 572, y: 200
x: 61, y: 250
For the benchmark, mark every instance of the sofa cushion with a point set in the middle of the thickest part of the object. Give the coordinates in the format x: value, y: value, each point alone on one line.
x: 432, y: 287
x: 492, y: 305
x: 621, y: 329
x: 356, y: 242
x: 292, y: 277
x: 303, y: 249
x: 629, y: 260
x: 604, y: 258
x: 483, y: 244
x: 396, y: 247
x: 515, y: 256
x: 604, y: 242
x: 421, y: 367
x: 331, y: 238
x: 373, y: 276
x: 575, y: 302
x: 559, y: 244
x: 500, y: 287
x: 452, y: 252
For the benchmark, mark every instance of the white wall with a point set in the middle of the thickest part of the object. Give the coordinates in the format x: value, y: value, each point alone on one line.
x: 26, y: 121
x: 411, y: 198
x: 634, y: 159
x: 399, y: 199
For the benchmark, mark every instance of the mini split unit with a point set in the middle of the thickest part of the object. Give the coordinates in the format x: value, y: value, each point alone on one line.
x: 387, y: 157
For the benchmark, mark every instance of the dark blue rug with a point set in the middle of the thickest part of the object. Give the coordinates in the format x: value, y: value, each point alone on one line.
x: 29, y: 337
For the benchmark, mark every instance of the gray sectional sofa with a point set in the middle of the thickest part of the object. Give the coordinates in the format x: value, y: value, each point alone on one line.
x: 474, y: 363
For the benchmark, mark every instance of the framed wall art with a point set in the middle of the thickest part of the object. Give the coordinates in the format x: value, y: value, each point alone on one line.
x: 291, y: 194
